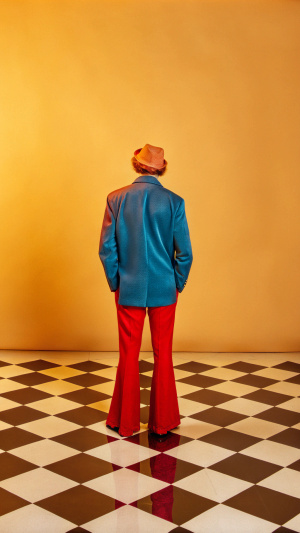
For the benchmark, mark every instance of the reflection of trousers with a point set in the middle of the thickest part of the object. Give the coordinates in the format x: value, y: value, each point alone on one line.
x: 124, y: 411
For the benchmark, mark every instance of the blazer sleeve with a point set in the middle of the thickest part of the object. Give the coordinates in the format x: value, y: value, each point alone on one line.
x: 182, y: 244
x: 108, y: 248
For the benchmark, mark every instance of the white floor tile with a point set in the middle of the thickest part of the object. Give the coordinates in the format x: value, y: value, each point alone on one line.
x: 37, y: 484
x: 294, y: 523
x: 212, y: 485
x: 273, y: 452
x: 109, y: 373
x: 224, y: 519
x: 49, y: 426
x: 103, y: 405
x: 233, y: 388
x: 122, y: 453
x: 128, y: 519
x: 57, y: 387
x: 275, y: 373
x: 180, y: 374
x: 223, y: 373
x: 199, y: 453
x: 257, y: 427
x: 126, y: 485
x: 285, y: 480
x: 4, y: 425
x: 184, y: 388
x: 44, y: 452
x: 189, y: 407
x: 54, y: 405
x: 7, y: 404
x: 244, y: 406
x: 106, y: 388
x: 291, y: 405
x: 12, y: 371
x: 285, y: 387
x: 7, y: 385
x: 61, y: 372
x: 34, y: 519
x: 194, y: 429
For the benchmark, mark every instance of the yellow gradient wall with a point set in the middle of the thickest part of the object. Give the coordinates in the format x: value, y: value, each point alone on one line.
x: 216, y: 84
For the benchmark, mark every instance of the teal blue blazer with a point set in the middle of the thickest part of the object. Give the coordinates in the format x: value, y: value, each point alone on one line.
x: 145, y: 245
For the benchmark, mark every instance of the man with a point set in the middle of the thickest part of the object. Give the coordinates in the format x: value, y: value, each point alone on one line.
x: 144, y: 226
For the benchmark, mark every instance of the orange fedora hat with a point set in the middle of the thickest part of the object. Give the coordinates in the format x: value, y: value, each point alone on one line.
x: 151, y: 156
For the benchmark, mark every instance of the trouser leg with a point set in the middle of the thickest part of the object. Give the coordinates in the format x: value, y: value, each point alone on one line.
x: 124, y: 411
x: 164, y: 409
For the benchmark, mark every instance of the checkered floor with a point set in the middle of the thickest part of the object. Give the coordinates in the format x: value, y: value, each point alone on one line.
x: 231, y: 466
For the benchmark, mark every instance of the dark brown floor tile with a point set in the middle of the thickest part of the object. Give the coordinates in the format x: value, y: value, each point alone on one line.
x: 20, y: 415
x: 266, y: 504
x: 145, y: 366
x: 10, y: 502
x: 78, y: 530
x: 15, y: 437
x: 84, y: 416
x: 87, y: 380
x: 82, y: 439
x: 288, y: 365
x: 144, y: 414
x: 255, y: 381
x: 267, y: 396
x: 32, y: 379
x: 149, y: 440
x: 209, y: 397
x: 11, y: 466
x: 174, y: 504
x: 3, y: 363
x: 180, y: 529
x: 290, y: 437
x: 283, y: 529
x: 88, y: 366
x: 295, y: 465
x: 85, y: 396
x: 25, y: 396
x: 145, y: 381
x: 280, y: 416
x: 231, y: 440
x: 242, y: 366
x: 219, y: 417
x: 165, y: 468
x: 82, y: 467
x: 79, y: 504
x: 145, y: 396
x: 38, y: 364
x: 246, y: 468
x: 194, y: 366
x: 198, y: 380
x: 294, y: 379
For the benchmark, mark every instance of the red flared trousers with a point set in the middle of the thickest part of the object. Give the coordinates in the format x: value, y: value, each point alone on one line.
x: 124, y: 411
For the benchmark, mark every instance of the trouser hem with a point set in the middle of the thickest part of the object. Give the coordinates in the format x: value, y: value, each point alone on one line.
x: 124, y: 432
x: 158, y: 429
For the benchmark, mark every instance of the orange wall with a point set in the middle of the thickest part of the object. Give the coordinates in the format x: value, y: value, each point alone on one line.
x: 85, y: 83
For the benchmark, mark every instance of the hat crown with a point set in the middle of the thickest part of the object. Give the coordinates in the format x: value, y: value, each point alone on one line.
x: 152, y: 156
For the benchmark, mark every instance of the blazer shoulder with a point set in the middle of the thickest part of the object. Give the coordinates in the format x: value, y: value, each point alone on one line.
x: 118, y: 192
x: 175, y: 198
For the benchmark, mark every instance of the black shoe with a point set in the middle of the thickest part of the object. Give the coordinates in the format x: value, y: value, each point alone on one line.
x: 115, y: 428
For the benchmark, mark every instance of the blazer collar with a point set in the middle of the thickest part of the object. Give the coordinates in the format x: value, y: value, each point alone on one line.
x: 146, y: 178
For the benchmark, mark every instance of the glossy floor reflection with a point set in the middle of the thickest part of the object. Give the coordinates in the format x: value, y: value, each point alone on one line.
x: 231, y: 466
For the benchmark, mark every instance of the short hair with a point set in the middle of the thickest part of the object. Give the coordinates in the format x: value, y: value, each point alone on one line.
x: 143, y: 169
